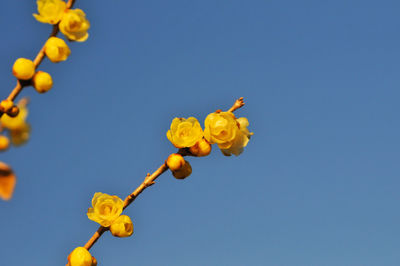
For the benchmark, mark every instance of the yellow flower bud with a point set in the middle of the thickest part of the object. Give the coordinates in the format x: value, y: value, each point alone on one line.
x: 4, y: 143
x: 184, y: 132
x: 23, y: 69
x: 50, y: 11
x: 42, y: 82
x: 122, y: 226
x: 56, y: 50
x: 74, y: 25
x: 184, y: 172
x: 6, y: 105
x: 175, y: 162
x: 106, y: 209
x: 80, y: 256
x: 201, y: 148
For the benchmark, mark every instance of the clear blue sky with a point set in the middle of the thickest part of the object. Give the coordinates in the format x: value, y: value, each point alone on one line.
x: 317, y: 185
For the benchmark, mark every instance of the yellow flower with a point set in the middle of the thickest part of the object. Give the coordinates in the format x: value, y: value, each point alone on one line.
x: 74, y: 25
x: 80, y: 256
x: 241, y: 139
x: 220, y: 128
x: 6, y: 105
x: 20, y: 135
x: 122, y: 227
x: 184, y: 132
x: 23, y: 69
x: 42, y: 82
x: 56, y: 49
x: 106, y: 209
x: 15, y: 123
x: 50, y: 11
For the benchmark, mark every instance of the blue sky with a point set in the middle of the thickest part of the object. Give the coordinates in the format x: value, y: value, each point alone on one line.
x: 317, y: 184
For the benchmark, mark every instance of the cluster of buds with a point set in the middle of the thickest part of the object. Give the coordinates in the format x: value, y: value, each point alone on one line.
x: 221, y: 128
x: 13, y: 125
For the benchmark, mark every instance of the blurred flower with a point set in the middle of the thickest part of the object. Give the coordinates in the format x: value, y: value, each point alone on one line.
x: 7, y: 181
x: 23, y: 69
x: 74, y: 25
x: 80, y: 256
x: 122, y: 226
x: 20, y: 135
x: 105, y: 209
x: 56, y: 49
x: 15, y: 123
x: 184, y: 132
x: 42, y: 82
x: 4, y: 143
x: 50, y: 11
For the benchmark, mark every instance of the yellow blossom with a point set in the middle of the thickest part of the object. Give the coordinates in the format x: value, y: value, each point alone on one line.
x: 183, y: 172
x: 201, y: 148
x: 241, y: 139
x: 4, y: 143
x: 175, y: 161
x: 50, y: 11
x: 23, y: 69
x: 74, y: 25
x: 220, y: 128
x: 20, y: 135
x: 122, y: 226
x: 7, y: 181
x: 56, y: 49
x: 106, y: 209
x: 14, y: 123
x: 80, y: 256
x: 184, y: 132
x: 42, y: 82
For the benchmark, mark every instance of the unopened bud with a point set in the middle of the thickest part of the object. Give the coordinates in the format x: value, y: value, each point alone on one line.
x: 122, y: 226
x: 80, y: 256
x: 6, y: 105
x: 23, y: 69
x: 201, y: 148
x: 42, y: 82
x: 175, y: 161
x: 184, y: 172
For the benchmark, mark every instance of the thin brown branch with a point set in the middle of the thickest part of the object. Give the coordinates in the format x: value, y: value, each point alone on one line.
x: 38, y: 59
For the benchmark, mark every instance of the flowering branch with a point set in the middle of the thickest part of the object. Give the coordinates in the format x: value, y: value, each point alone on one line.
x: 38, y: 59
x: 150, y: 180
